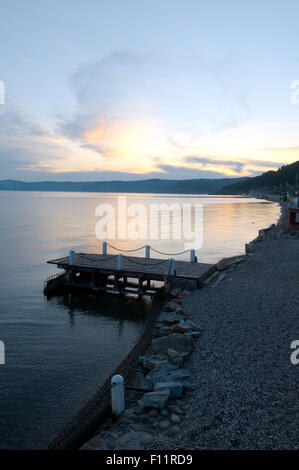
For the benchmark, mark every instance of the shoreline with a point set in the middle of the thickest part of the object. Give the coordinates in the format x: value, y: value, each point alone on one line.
x: 136, y: 423
x: 70, y: 436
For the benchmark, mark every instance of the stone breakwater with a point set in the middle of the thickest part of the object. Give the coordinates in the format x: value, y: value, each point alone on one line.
x: 163, y: 376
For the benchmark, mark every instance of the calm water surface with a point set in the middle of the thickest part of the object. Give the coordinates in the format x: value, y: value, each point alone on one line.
x: 59, y: 351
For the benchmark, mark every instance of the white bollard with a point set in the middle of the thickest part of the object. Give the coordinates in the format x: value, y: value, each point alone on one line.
x: 171, y: 267
x: 120, y: 262
x: 192, y: 256
x: 71, y: 257
x: 147, y: 251
x: 104, y: 248
x: 117, y: 395
x: 2, y: 352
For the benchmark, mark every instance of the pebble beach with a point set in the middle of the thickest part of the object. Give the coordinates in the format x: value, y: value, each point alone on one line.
x: 240, y: 388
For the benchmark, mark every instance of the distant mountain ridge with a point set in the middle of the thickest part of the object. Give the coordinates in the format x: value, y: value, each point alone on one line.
x: 282, y: 179
x: 192, y: 186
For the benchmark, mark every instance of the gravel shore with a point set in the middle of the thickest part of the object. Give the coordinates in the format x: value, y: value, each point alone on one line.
x: 247, y: 388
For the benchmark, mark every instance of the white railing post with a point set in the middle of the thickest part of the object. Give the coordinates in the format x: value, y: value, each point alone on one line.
x: 71, y: 257
x: 171, y: 267
x: 104, y: 248
x: 147, y: 251
x: 120, y: 262
x: 192, y: 256
x: 117, y: 395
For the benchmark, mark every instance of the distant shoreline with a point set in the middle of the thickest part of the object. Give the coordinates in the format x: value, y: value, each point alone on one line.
x: 154, y: 186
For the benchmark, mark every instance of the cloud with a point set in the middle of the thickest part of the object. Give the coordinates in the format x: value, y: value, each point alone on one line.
x: 24, y: 143
x: 237, y: 166
x: 185, y: 95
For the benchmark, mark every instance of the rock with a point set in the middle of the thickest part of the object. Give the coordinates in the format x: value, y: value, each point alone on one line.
x: 153, y: 361
x: 128, y: 438
x: 154, y: 413
x: 175, y: 341
x: 164, y: 413
x: 146, y: 438
x: 175, y: 388
x: 175, y: 418
x: 170, y: 318
x: 154, y: 399
x: 110, y: 444
x: 160, y: 373
x: 183, y: 328
x: 179, y: 310
x: 195, y: 325
x: 96, y: 442
x: 171, y: 373
x: 172, y: 305
x: 175, y: 292
x: 193, y: 333
x: 114, y: 435
x: 184, y: 294
x: 176, y: 409
x: 123, y: 421
x: 164, y: 331
x: 174, y: 357
x: 164, y: 424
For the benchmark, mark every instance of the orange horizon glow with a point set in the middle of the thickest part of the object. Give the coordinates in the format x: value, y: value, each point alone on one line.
x: 142, y: 146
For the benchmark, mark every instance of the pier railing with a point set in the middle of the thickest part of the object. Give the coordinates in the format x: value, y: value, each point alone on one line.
x: 120, y: 257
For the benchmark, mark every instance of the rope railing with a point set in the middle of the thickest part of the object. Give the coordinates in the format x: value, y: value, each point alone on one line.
x: 146, y: 264
x: 170, y: 254
x: 127, y: 251
x: 120, y: 257
x: 83, y: 255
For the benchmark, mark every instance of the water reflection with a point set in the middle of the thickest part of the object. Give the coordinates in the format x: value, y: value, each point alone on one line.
x: 112, y: 307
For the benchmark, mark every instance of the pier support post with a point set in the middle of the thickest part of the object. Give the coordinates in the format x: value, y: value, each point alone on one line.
x: 171, y: 267
x: 147, y: 251
x: 192, y: 256
x: 120, y: 262
x: 104, y: 248
x: 71, y: 257
x: 117, y: 395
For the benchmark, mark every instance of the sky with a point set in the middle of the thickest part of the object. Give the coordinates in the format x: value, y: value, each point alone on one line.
x: 136, y: 89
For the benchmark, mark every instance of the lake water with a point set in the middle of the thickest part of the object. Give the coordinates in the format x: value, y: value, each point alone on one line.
x: 58, y: 351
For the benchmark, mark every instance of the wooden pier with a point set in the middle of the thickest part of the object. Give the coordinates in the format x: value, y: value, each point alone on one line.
x: 125, y: 274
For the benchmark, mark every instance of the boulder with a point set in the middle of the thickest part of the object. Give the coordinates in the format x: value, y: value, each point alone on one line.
x: 152, y: 361
x: 171, y: 317
x: 179, y: 310
x: 195, y: 325
x: 172, y: 305
x: 175, y: 418
x: 171, y: 373
x: 175, y: 292
x: 163, y: 331
x: 154, y: 399
x: 174, y: 357
x: 177, y: 341
x: 183, y: 328
x: 184, y: 294
x: 175, y: 388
